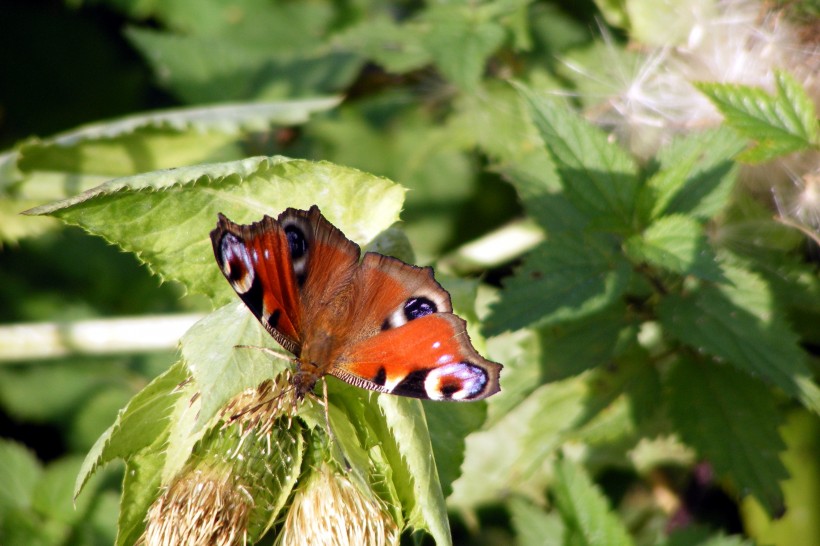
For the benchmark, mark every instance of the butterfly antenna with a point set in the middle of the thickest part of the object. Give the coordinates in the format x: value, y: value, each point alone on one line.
x: 267, y: 350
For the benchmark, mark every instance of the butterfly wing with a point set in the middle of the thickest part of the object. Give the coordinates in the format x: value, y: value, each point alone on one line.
x: 283, y: 269
x: 405, y: 339
x: 256, y: 261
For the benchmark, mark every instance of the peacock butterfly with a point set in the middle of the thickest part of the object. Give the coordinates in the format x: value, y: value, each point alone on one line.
x: 379, y: 323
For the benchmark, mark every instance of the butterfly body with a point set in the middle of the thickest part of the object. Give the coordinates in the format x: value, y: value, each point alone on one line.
x: 376, y: 323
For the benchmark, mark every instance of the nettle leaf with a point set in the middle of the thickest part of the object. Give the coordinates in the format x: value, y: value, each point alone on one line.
x: 563, y: 279
x: 460, y: 41
x: 277, y: 26
x: 677, y: 244
x: 584, y: 509
x: 598, y: 176
x: 732, y: 420
x: 779, y: 124
x: 532, y: 431
x: 165, y: 217
x: 579, y: 345
x: 695, y: 176
x: 739, y: 323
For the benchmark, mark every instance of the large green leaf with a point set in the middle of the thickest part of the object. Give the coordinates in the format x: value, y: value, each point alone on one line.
x: 534, y: 526
x: 579, y: 345
x: 740, y: 324
x: 165, y: 217
x: 565, y: 278
x: 598, y: 177
x: 732, y: 420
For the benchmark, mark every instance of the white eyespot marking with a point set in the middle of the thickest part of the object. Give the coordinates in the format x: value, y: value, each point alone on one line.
x: 436, y: 344
x: 236, y: 263
x: 456, y: 381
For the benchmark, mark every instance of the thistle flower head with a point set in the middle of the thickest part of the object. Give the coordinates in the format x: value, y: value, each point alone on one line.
x: 203, y: 506
x: 331, y: 509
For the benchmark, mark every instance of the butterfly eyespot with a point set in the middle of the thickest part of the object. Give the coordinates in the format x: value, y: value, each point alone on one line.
x: 418, y: 307
x: 456, y: 381
x: 297, y: 242
x: 236, y: 263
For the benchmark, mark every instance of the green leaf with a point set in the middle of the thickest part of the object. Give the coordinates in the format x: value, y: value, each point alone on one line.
x: 530, y: 433
x: 266, y: 26
x: 533, y: 526
x: 203, y: 69
x: 489, y: 472
x: 143, y: 422
x: 598, y: 177
x: 19, y: 473
x: 732, y: 420
x: 222, y: 368
x: 140, y: 487
x: 69, y: 163
x: 677, y: 244
x: 579, y: 345
x: 779, y: 124
x: 695, y: 175
x: 584, y: 509
x: 52, y: 496
x: 460, y: 40
x: 563, y: 279
x: 740, y: 324
x: 406, y: 420
x: 396, y: 47
x: 449, y: 425
x: 165, y: 216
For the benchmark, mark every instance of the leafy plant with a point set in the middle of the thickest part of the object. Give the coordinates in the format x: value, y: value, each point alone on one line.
x: 654, y: 315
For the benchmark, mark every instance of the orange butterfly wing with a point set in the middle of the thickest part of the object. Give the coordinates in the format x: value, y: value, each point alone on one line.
x: 256, y: 261
x: 405, y: 340
x: 427, y: 357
